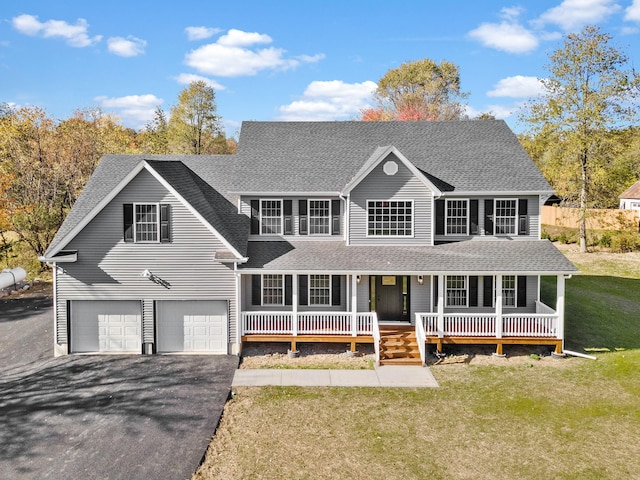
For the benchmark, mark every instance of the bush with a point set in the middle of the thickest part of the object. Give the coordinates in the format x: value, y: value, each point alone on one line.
x: 605, y: 240
x: 625, y: 242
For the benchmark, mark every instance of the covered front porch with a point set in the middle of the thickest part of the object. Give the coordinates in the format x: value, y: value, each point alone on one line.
x: 422, y: 303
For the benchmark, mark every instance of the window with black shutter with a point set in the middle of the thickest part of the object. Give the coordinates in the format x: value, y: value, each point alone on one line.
x: 440, y: 207
x: 303, y: 226
x: 255, y: 217
x: 523, y: 215
x: 487, y: 291
x: 335, y: 217
x: 287, y: 207
x: 522, y: 291
x: 473, y: 217
x: 488, y: 217
x: 473, y: 291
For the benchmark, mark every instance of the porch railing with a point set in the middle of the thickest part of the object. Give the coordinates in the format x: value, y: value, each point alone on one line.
x: 421, y: 337
x: 308, y: 323
x: 542, y: 324
x: 375, y: 331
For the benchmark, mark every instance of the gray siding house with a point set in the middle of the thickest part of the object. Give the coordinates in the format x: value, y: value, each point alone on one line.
x: 314, y: 232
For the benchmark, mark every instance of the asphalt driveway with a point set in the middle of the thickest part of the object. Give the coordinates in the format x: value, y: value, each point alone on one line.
x: 98, y: 417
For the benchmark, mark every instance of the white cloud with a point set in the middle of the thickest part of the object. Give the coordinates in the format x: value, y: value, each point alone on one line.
x: 500, y: 112
x: 134, y: 110
x: 571, y: 14
x: 230, y: 56
x: 126, y: 47
x: 632, y: 12
x: 238, y: 38
x: 75, y: 35
x: 187, y: 78
x: 332, y: 100
x: 506, y: 36
x: 517, y: 86
x: 200, y: 33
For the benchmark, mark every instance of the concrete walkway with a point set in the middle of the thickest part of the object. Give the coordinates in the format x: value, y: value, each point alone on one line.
x: 384, y: 376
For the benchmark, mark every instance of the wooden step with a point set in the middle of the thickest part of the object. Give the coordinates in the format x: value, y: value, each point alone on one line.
x: 400, y: 361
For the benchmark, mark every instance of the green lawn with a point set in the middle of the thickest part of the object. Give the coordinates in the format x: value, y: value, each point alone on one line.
x: 566, y: 418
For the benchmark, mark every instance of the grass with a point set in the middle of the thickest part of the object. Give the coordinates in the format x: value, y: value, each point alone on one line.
x: 564, y: 419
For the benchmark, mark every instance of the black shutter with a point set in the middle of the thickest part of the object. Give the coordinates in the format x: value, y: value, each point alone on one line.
x: 288, y: 289
x: 473, y: 217
x: 523, y: 212
x: 128, y: 222
x: 522, y: 291
x: 335, y: 290
x: 288, y: 216
x: 435, y: 291
x: 165, y: 223
x: 303, y: 228
x: 335, y: 217
x: 303, y: 292
x: 255, y: 217
x: 487, y: 290
x: 256, y: 290
x: 473, y: 291
x: 440, y: 217
x: 488, y: 217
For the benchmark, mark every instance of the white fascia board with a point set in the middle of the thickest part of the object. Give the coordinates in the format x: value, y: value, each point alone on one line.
x: 62, y: 257
x: 378, y: 156
x: 259, y: 271
x: 98, y: 208
x: 306, y: 193
x: 516, y: 193
x: 189, y: 207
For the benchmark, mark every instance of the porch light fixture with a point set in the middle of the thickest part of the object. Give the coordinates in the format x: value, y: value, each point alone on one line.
x: 146, y: 273
x: 420, y: 280
x: 358, y: 279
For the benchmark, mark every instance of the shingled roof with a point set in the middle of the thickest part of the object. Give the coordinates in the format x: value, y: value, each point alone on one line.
x: 632, y: 192
x: 459, y: 156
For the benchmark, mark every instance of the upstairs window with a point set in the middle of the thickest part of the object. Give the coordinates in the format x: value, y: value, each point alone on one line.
x: 146, y: 222
x: 457, y: 217
x: 319, y: 217
x: 505, y: 217
x: 271, y: 217
x: 390, y: 218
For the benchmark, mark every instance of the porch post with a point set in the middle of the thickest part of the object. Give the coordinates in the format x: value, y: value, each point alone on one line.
x: 560, y: 307
x: 354, y: 305
x: 498, y: 306
x: 294, y: 305
x: 441, y: 306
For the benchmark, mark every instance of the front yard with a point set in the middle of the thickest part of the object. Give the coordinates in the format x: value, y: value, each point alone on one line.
x: 521, y: 417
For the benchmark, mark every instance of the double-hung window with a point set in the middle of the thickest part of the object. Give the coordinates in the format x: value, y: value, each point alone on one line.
x: 457, y: 291
x: 457, y: 217
x: 506, y: 214
x: 319, y: 217
x: 509, y: 291
x: 271, y: 217
x: 390, y: 218
x: 272, y: 289
x: 319, y: 289
x: 146, y: 222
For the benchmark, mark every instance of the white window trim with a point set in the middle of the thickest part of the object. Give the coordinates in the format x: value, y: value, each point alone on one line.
x: 281, y: 216
x: 262, y: 289
x: 329, y: 219
x: 413, y: 226
x: 495, y: 218
x: 495, y: 292
x: 466, y: 289
x: 135, y: 222
x: 446, y: 217
x: 320, y: 305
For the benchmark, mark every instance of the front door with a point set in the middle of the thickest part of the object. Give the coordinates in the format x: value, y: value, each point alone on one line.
x: 390, y: 297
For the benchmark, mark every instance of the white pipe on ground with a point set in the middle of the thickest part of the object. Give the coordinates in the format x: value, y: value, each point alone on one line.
x: 11, y: 276
x: 578, y: 354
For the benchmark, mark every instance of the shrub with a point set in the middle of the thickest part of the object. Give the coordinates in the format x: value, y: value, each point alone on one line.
x: 625, y: 242
x: 605, y: 240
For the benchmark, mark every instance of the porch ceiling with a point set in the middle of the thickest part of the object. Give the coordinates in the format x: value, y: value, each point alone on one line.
x: 473, y: 256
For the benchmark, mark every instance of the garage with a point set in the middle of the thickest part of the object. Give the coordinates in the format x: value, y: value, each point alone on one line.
x: 191, y: 326
x: 106, y: 326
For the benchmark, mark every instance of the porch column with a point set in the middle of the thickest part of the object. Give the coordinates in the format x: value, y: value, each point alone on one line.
x: 441, y: 279
x: 354, y: 305
x: 498, y: 306
x: 294, y: 305
x: 560, y: 307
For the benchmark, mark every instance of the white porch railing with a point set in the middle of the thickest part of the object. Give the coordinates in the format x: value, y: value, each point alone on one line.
x: 308, y: 323
x: 421, y: 337
x: 544, y: 323
x: 375, y: 331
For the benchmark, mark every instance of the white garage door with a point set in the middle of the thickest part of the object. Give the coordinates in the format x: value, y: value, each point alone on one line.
x: 106, y: 326
x: 191, y: 326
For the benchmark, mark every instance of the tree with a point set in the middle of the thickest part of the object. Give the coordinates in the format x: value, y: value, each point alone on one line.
x: 419, y: 90
x: 194, y: 125
x: 155, y: 138
x: 588, y: 91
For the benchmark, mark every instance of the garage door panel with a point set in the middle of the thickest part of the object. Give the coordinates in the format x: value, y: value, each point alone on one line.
x: 106, y: 326
x: 192, y: 326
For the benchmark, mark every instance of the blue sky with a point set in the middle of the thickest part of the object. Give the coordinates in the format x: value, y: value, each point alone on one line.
x: 283, y: 60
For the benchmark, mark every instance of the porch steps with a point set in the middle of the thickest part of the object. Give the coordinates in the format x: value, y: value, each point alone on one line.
x: 399, y: 345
